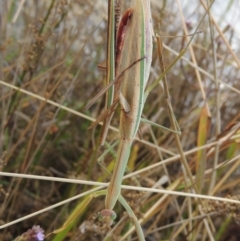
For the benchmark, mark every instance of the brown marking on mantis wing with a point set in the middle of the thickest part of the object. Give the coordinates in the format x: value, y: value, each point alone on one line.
x: 121, y: 34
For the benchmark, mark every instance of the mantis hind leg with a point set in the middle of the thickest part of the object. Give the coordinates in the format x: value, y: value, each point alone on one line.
x: 99, y: 160
x: 163, y: 127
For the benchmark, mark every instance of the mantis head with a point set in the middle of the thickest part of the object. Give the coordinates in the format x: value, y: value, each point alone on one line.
x: 107, y: 215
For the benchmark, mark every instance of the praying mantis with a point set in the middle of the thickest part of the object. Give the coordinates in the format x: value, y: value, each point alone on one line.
x: 138, y: 43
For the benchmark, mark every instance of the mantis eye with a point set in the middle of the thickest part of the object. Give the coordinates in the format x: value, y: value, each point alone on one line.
x: 107, y: 215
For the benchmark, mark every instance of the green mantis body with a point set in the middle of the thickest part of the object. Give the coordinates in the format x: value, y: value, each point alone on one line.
x: 137, y: 44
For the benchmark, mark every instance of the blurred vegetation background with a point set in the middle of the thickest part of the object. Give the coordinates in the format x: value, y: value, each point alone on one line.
x: 52, y: 49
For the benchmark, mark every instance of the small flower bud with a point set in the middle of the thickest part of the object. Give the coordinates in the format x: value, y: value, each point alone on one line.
x: 36, y: 233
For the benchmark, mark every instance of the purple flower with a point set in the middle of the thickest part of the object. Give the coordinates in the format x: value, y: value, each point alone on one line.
x: 39, y: 233
x: 36, y: 233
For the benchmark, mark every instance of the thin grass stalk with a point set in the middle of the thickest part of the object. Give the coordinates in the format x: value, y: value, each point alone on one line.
x: 217, y: 103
